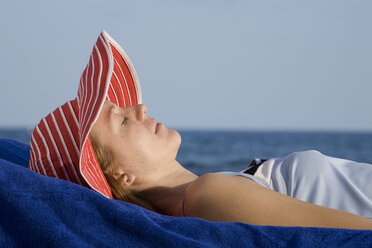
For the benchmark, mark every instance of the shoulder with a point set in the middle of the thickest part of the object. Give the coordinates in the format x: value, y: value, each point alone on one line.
x: 200, y: 193
x: 209, y: 180
x: 201, y: 186
x: 205, y: 180
x: 208, y: 184
x: 211, y: 190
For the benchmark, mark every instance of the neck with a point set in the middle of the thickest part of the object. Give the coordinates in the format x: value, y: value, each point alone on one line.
x: 168, y: 194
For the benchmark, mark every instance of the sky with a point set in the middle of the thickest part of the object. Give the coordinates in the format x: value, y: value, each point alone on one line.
x: 202, y: 64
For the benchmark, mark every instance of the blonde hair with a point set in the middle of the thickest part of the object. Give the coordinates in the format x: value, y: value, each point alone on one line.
x: 105, y: 158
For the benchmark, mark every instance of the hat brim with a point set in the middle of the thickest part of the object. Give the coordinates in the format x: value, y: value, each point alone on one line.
x: 109, y: 75
x: 60, y: 143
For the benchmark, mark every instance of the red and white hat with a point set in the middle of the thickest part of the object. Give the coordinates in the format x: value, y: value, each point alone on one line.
x: 60, y: 144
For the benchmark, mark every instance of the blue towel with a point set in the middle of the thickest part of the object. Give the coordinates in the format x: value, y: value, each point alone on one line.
x: 38, y: 211
x: 14, y: 151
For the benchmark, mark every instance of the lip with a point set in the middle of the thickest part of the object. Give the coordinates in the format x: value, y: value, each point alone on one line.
x: 157, y: 127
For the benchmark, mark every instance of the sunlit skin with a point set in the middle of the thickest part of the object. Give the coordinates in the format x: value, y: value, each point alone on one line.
x: 144, y: 160
x: 144, y: 152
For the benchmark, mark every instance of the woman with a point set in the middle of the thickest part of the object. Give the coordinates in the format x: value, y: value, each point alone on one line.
x: 104, y: 140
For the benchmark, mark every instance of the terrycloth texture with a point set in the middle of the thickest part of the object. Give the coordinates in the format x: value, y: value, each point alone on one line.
x: 14, y: 151
x: 38, y: 211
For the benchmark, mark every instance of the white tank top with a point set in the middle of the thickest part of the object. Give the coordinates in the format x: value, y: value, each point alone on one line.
x: 313, y: 177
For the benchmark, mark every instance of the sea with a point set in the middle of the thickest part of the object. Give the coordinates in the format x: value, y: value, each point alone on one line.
x: 205, y: 151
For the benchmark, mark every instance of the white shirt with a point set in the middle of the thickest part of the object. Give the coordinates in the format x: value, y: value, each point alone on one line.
x: 319, y: 179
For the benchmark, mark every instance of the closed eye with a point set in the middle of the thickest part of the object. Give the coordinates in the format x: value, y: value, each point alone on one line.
x: 125, y: 121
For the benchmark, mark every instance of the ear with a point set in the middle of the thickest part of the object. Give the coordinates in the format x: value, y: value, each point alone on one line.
x: 125, y: 179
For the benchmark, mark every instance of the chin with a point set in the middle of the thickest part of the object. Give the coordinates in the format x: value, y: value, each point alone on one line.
x: 176, y: 138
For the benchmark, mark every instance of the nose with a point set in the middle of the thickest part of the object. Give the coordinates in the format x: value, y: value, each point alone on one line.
x: 141, y: 111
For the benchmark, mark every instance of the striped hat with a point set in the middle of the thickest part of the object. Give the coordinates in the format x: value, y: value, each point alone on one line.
x: 60, y: 144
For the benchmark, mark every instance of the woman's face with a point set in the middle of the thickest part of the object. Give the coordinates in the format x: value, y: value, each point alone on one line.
x: 142, y: 148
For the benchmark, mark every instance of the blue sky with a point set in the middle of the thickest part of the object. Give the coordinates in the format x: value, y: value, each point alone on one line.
x: 287, y: 65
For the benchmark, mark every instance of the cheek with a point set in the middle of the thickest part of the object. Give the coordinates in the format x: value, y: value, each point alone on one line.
x: 169, y: 144
x: 131, y: 157
x: 141, y: 148
x: 138, y: 147
x: 157, y: 149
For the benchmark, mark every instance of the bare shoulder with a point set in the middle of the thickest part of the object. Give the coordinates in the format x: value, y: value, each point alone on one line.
x: 217, y: 197
x: 211, y: 191
x: 203, y: 185
x: 205, y: 180
x: 212, y: 182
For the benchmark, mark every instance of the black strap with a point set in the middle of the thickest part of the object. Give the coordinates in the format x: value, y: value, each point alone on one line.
x: 253, y: 166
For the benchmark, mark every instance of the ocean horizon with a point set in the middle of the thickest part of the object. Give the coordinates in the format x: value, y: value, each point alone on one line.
x: 205, y: 151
